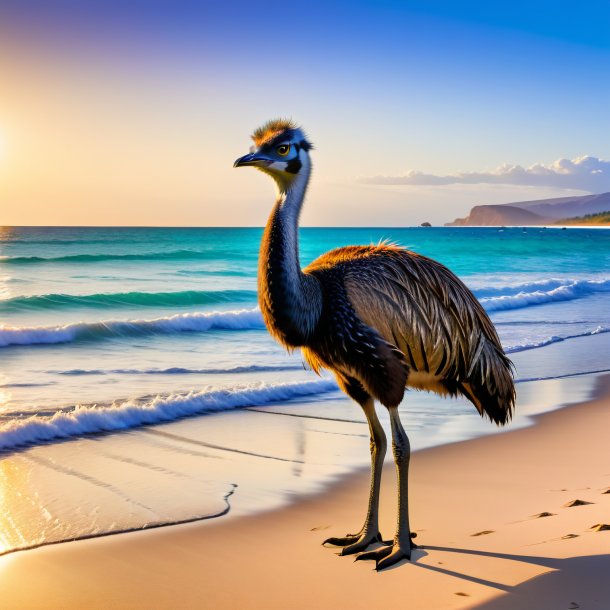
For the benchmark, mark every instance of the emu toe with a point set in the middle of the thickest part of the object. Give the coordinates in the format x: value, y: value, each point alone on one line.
x: 354, y: 543
x: 388, y: 556
x: 385, y: 557
x: 395, y: 555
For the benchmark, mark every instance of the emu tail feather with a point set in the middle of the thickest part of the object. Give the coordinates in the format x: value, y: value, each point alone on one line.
x: 490, y: 387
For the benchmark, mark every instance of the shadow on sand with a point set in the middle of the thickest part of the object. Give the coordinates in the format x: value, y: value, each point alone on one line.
x: 575, y: 582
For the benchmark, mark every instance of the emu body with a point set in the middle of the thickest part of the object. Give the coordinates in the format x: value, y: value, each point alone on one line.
x: 381, y: 318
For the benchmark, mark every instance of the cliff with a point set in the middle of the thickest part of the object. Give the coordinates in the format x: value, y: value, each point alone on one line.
x: 539, y: 212
x: 495, y: 215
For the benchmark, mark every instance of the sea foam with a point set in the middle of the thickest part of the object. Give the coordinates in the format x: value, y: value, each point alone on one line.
x: 545, y: 292
x: 178, y: 370
x: 517, y: 287
x: 83, y: 420
x: 522, y: 347
x: 244, y: 319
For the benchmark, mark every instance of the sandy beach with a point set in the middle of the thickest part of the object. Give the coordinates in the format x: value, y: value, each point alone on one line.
x: 492, y: 515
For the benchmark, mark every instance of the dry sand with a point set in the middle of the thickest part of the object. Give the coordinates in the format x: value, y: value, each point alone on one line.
x: 473, y: 504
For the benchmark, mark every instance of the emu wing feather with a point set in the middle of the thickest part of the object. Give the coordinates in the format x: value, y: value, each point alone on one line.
x: 422, y: 308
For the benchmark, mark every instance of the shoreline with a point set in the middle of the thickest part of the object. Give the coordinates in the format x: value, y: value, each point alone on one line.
x: 354, y: 463
x: 228, y: 563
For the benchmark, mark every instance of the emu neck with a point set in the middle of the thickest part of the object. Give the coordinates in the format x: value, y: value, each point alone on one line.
x: 290, y: 300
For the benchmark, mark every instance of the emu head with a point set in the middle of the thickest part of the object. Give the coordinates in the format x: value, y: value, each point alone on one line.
x: 280, y: 150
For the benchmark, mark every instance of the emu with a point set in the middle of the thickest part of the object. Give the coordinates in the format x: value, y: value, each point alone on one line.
x: 381, y: 318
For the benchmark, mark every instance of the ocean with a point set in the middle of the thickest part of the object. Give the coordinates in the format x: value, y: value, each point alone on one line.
x: 139, y: 387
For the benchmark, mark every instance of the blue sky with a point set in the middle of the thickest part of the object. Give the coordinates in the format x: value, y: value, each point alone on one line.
x: 132, y: 113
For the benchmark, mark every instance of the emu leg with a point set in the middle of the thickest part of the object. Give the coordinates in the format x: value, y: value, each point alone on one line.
x: 402, y: 545
x: 369, y: 532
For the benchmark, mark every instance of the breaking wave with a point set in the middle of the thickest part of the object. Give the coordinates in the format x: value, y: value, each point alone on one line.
x: 523, y: 347
x: 84, y: 420
x: 539, y: 293
x: 512, y: 289
x: 244, y: 319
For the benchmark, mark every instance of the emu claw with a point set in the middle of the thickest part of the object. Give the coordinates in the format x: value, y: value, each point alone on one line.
x: 342, y: 540
x: 376, y: 555
x: 388, y: 556
x: 385, y: 556
x: 392, y: 558
x: 354, y: 543
x: 361, y: 544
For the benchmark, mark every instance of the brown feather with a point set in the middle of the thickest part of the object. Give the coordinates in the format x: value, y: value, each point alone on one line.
x: 271, y: 129
x: 422, y: 309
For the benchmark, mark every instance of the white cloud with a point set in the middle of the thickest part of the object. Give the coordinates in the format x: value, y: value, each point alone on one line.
x: 584, y: 173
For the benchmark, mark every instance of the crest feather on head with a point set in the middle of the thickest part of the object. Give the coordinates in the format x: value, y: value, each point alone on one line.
x: 272, y: 129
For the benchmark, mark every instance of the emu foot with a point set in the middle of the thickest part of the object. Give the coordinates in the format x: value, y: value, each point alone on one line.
x: 354, y: 543
x: 388, y: 556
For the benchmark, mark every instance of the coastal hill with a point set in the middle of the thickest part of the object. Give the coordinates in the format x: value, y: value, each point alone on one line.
x: 493, y: 215
x: 603, y: 218
x: 539, y: 212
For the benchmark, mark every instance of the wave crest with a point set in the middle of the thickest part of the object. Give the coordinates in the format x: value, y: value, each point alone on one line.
x: 244, y: 319
x: 95, y: 258
x: 511, y: 289
x: 556, y: 290
x: 523, y: 347
x: 182, y: 298
x: 85, y: 420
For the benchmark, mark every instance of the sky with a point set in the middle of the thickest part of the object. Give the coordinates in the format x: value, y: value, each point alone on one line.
x: 132, y: 113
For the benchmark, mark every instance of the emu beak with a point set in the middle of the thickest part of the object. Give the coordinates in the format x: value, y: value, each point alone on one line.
x: 254, y: 159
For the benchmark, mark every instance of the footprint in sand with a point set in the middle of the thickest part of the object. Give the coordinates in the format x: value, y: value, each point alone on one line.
x: 537, y: 516
x: 566, y: 537
x: 483, y: 533
x: 576, y: 503
x: 600, y: 527
x: 540, y: 515
x: 607, y: 491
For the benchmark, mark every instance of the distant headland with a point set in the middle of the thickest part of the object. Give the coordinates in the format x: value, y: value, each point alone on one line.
x: 583, y: 210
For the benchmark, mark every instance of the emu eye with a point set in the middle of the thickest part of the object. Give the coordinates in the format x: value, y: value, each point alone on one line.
x: 283, y: 150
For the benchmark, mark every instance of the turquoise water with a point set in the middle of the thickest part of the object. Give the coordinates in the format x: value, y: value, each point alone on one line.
x: 96, y: 315
x: 114, y: 329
